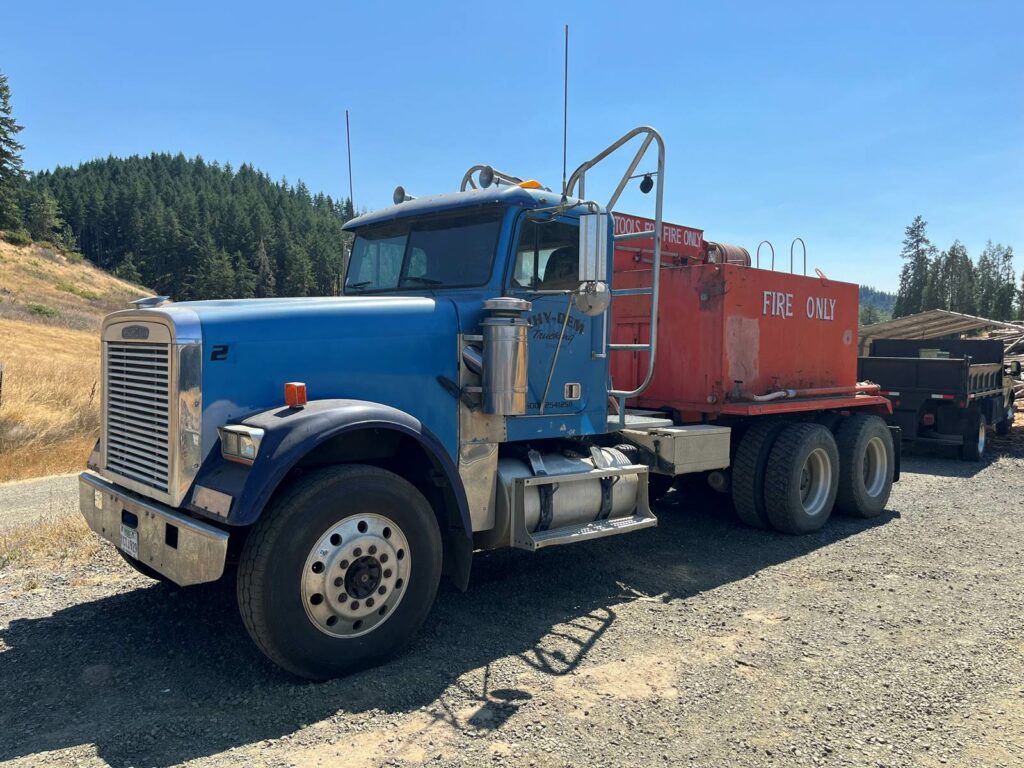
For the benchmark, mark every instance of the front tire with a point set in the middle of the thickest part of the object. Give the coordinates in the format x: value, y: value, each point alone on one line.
x: 867, y: 462
x: 340, y: 571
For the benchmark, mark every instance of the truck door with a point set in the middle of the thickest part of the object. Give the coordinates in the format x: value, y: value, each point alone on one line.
x: 546, y: 273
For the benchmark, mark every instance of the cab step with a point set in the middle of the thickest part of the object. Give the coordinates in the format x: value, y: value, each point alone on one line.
x: 594, y: 530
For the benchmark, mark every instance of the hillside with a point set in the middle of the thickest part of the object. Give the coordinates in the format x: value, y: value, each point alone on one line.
x: 50, y: 312
x: 195, y: 230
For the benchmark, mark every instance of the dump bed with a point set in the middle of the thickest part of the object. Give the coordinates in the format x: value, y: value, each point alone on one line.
x: 955, y: 370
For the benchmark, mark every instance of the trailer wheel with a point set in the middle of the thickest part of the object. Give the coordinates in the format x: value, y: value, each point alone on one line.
x: 340, y: 571
x: 802, y: 479
x: 974, y: 436
x: 748, y: 472
x: 867, y: 463
x: 1003, y: 427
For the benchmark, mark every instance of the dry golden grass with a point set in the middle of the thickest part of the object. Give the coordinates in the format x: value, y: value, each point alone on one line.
x: 50, y: 313
x: 49, y: 416
x: 44, y: 286
x: 61, y: 540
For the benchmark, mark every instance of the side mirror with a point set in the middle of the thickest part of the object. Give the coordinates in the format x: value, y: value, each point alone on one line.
x: 1014, y: 368
x: 593, y: 247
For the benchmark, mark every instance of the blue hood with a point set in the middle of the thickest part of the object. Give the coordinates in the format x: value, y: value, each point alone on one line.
x: 385, y: 349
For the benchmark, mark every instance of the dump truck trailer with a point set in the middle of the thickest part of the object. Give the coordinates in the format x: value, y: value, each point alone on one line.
x: 944, y: 392
x: 507, y: 367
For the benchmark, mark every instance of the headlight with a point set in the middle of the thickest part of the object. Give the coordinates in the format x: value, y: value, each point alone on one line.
x: 240, y: 443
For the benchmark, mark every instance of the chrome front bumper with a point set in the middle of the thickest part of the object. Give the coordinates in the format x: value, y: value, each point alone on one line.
x: 184, y: 550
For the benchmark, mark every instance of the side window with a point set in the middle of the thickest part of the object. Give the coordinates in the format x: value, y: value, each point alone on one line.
x: 547, y: 256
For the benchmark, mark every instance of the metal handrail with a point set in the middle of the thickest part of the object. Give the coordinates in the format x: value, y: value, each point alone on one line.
x: 579, y: 177
x: 802, y: 245
x: 499, y: 176
x: 757, y: 255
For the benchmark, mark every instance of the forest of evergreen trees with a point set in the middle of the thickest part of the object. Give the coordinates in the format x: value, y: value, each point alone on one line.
x: 195, y: 230
x: 950, y: 279
x: 181, y: 226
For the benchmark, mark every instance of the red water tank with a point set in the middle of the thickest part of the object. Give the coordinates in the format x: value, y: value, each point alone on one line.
x: 727, y: 333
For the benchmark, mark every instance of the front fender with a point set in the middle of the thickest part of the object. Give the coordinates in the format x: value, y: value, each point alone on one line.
x: 291, y: 433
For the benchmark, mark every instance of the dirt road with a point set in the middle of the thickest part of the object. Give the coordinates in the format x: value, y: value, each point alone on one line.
x: 894, y: 642
x: 24, y: 501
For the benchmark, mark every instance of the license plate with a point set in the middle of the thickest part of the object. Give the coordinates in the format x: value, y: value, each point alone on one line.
x: 130, y: 541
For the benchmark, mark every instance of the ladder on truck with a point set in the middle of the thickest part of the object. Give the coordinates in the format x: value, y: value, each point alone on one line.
x: 578, y: 177
x: 545, y: 483
x: 642, y: 516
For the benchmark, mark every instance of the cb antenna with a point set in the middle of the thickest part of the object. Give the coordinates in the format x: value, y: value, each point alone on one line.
x: 348, y: 142
x: 565, y: 113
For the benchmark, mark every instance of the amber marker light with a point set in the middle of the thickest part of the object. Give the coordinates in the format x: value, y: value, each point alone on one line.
x: 295, y: 394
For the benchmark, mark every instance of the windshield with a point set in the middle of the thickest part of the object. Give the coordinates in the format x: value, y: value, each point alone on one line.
x: 447, y: 252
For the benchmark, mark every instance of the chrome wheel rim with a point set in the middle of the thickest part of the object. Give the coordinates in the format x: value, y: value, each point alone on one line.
x: 981, y: 437
x: 875, y: 465
x: 356, y: 575
x: 815, y: 481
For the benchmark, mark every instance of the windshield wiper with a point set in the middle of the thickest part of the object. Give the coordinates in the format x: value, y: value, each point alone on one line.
x: 423, y: 280
x: 358, y: 286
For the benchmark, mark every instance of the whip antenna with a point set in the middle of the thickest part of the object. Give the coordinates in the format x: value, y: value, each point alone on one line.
x: 565, y: 112
x: 348, y: 142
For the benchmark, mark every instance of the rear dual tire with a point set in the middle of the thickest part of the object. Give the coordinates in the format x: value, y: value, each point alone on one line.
x: 748, y: 472
x: 802, y: 479
x: 867, y: 462
x: 789, y: 476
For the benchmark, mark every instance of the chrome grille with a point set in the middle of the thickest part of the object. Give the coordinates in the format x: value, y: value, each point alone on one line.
x: 138, y: 405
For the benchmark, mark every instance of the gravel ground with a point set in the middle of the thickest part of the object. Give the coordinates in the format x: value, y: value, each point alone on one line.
x: 890, y: 642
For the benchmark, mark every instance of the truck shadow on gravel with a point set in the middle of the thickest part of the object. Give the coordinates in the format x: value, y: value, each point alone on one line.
x: 157, y: 677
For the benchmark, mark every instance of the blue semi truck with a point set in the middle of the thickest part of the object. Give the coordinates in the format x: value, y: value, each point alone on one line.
x: 337, y: 455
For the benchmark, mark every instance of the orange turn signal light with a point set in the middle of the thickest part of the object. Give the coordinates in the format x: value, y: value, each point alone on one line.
x: 295, y: 394
x: 530, y: 184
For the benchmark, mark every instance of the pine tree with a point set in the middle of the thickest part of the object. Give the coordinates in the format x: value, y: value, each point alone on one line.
x: 245, y: 278
x: 298, y: 273
x: 127, y: 270
x: 10, y: 161
x: 216, y: 279
x: 961, y: 279
x: 1006, y: 290
x: 917, y: 255
x: 265, y: 282
x: 869, y: 314
x: 987, y: 282
x: 42, y: 215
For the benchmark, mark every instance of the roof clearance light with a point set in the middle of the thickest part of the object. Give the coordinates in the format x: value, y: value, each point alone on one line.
x: 530, y: 184
x: 295, y: 394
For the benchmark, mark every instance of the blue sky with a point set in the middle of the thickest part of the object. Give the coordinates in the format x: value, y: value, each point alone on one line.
x: 835, y: 122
